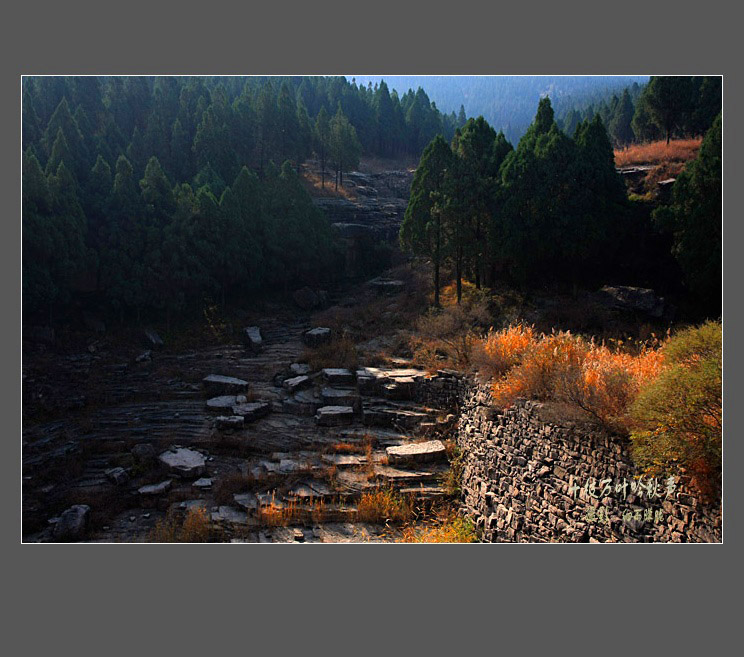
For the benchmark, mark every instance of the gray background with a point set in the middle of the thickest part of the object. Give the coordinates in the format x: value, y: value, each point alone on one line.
x: 133, y: 599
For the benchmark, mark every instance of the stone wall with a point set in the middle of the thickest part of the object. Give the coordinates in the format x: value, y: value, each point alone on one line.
x: 525, y: 480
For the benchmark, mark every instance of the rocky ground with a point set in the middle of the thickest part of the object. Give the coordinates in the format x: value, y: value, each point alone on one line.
x: 133, y: 437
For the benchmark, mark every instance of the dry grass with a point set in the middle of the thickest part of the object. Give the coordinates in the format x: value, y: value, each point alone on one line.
x: 312, y: 182
x: 195, y: 528
x: 385, y: 506
x: 602, y: 380
x: 658, y: 152
x: 337, y: 353
x: 447, y: 527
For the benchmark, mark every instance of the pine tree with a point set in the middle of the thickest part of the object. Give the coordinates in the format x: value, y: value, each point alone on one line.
x: 422, y: 230
x: 322, y: 135
x: 620, y: 125
x: 694, y: 219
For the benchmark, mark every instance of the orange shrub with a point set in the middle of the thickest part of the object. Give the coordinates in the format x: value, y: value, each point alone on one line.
x: 562, y: 367
x: 658, y: 152
x: 501, y: 350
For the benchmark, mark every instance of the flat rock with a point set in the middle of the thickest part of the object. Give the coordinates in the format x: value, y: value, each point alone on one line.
x: 246, y: 500
x: 252, y: 339
x: 252, y: 411
x: 334, y: 416
x: 222, y: 403
x: 227, y: 384
x: 230, y: 515
x: 340, y: 397
x: 384, y: 416
x: 71, y: 525
x: 204, y: 482
x: 297, y: 383
x: 344, y: 460
x: 184, y: 462
x: 299, y: 369
x: 317, y: 336
x: 338, y: 376
x: 155, y: 489
x: 303, y: 402
x: 229, y: 422
x: 432, y: 450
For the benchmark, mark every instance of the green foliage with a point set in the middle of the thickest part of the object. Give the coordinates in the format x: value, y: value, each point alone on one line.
x: 694, y: 219
x: 678, y: 417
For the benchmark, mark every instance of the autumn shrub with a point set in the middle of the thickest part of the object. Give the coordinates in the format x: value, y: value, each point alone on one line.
x: 600, y: 380
x: 449, y: 528
x: 677, y: 418
x: 502, y: 350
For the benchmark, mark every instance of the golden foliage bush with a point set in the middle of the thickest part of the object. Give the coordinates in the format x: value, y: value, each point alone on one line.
x: 677, y: 419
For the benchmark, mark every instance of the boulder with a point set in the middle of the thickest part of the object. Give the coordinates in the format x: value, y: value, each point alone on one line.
x: 117, y: 476
x: 635, y: 299
x: 155, y: 489
x: 252, y: 411
x: 217, y: 383
x: 306, y: 299
x: 184, y: 462
x: 228, y: 422
x: 152, y: 338
x: 317, y: 336
x: 337, y: 376
x: 297, y: 383
x: 432, y: 450
x: 252, y: 339
x: 334, y: 416
x: 71, y: 525
x: 299, y: 369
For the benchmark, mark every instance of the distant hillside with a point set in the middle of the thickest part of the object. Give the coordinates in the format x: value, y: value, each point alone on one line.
x: 509, y: 102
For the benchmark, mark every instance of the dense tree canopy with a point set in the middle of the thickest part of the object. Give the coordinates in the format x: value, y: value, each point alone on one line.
x: 165, y: 190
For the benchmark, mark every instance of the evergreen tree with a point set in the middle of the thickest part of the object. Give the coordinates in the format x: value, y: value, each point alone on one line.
x: 620, y: 125
x: 422, y: 230
x: 694, y: 219
x: 322, y: 135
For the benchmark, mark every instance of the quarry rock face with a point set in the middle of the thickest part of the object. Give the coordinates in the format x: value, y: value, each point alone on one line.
x: 184, y: 462
x: 72, y: 523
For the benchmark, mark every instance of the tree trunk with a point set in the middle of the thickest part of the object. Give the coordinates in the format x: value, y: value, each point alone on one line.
x: 459, y: 274
x: 322, y: 169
